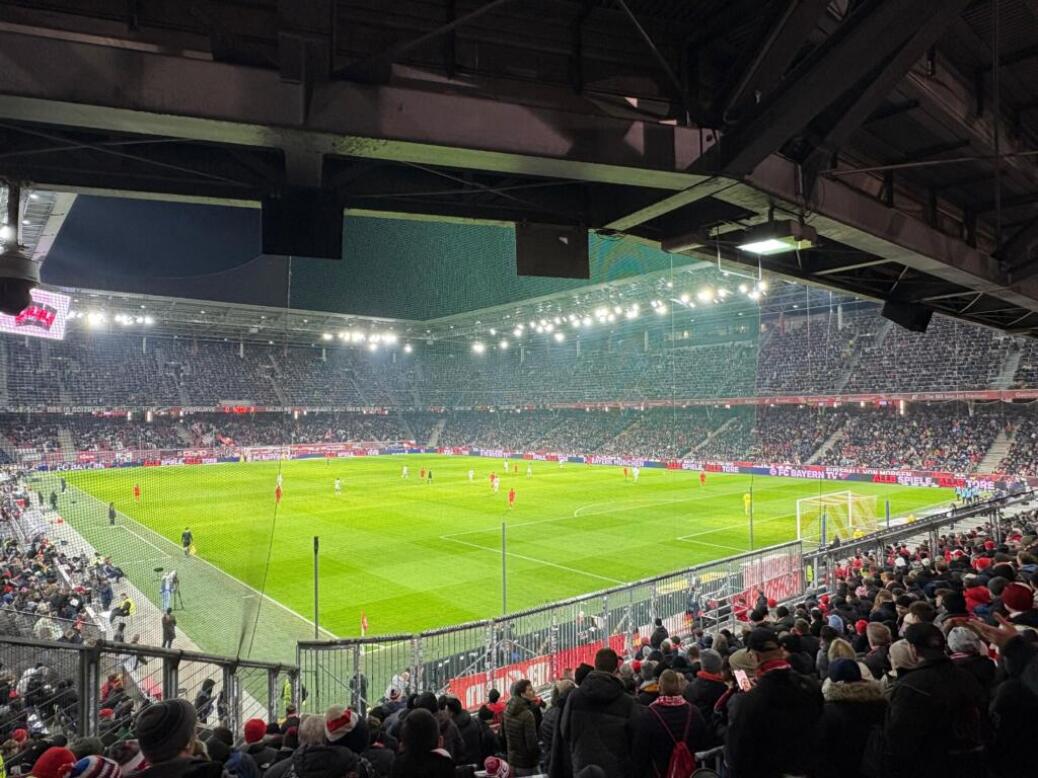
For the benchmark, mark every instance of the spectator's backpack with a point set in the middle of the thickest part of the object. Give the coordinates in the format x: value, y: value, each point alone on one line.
x: 682, y: 763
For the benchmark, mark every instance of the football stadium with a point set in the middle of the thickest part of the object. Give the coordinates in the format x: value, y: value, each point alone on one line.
x: 508, y: 388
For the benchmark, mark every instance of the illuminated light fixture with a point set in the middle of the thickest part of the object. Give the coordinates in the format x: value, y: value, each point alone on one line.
x: 754, y: 295
x: 519, y: 327
x: 478, y: 347
x: 544, y: 322
x: 670, y: 284
x: 705, y: 295
x: 631, y: 313
x: 518, y: 331
x: 557, y: 320
x: 96, y: 318
x: 539, y: 329
x: 763, y: 285
x: 148, y: 320
x: 611, y: 317
x: 493, y: 331
x: 375, y: 337
x: 685, y: 298
x: 778, y: 237
x: 533, y: 324
x: 617, y: 310
x: 391, y: 338
x: 586, y: 321
x: 407, y: 348
x: 503, y: 345
x: 559, y: 337
x: 326, y: 336
x: 743, y: 289
x: 549, y: 327
x: 357, y: 336
x: 661, y: 309
x: 373, y: 346
x: 7, y: 233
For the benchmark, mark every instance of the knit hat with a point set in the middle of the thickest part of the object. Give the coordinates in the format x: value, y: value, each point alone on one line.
x: 710, y: 661
x: 1018, y: 597
x: 20, y: 735
x: 497, y: 767
x: 982, y: 563
x: 127, y: 754
x: 762, y: 639
x: 845, y: 670
x: 962, y: 640
x: 836, y: 623
x: 861, y: 625
x: 743, y: 660
x: 254, y: 730
x: 164, y: 729
x: 55, y: 762
x: 95, y: 767
x: 926, y: 638
x: 339, y: 721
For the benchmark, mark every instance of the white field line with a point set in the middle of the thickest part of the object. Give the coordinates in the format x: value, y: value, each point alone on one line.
x: 533, y: 559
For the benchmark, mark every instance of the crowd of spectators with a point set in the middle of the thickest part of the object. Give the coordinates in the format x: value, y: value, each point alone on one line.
x: 935, y: 437
x: 813, y: 355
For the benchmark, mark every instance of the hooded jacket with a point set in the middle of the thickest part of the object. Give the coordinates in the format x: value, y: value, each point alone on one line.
x: 597, y: 728
x: 323, y: 762
x: 520, y: 728
x: 850, y: 713
x: 183, y: 767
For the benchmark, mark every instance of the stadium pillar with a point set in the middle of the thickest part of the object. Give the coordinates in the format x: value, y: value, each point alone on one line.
x: 317, y: 587
x: 887, y: 509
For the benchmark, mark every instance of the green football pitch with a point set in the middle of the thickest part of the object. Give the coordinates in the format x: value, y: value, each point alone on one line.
x: 411, y: 554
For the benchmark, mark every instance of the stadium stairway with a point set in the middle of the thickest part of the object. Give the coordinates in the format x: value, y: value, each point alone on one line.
x: 713, y: 435
x: 437, y: 430
x: 997, y: 452
x: 831, y: 441
x: 67, y: 443
x: 1008, y: 373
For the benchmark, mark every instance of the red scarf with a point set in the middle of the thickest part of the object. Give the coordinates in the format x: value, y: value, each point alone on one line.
x: 670, y: 701
x: 710, y: 676
x: 772, y: 664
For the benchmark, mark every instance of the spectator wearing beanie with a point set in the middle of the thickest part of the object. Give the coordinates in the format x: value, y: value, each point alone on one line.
x: 166, y: 734
x: 970, y: 654
x: 315, y: 758
x: 421, y: 752
x: 346, y: 728
x: 87, y: 746
x: 707, y: 687
x: 765, y: 735
x: 55, y: 762
x: 598, y: 723
x: 254, y: 732
x: 669, y: 720
x: 853, y: 706
x: 1018, y: 600
x: 936, y: 710
x: 310, y: 734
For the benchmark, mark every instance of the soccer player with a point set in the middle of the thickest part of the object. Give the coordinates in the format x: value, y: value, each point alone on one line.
x: 634, y: 473
x: 338, y: 486
x: 702, y: 478
x: 493, y: 477
x: 137, y: 492
x: 472, y: 474
x: 529, y: 471
x: 496, y: 484
x: 506, y: 465
x: 625, y: 473
x: 280, y: 479
x: 428, y: 478
x: 277, y: 494
x: 747, y: 502
x: 186, y: 539
x: 421, y: 474
x: 511, y: 498
x: 404, y: 473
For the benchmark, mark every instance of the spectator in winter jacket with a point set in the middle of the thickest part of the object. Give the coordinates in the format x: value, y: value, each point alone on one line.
x: 934, y: 722
x: 422, y: 754
x: 520, y: 728
x: 853, y: 707
x: 345, y: 728
x: 311, y: 733
x: 707, y: 687
x: 659, y: 634
x: 477, y: 738
x: 165, y: 732
x: 1018, y: 600
x: 671, y: 719
x: 550, y: 721
x: 765, y: 736
x: 597, y: 725
x: 969, y: 654
x: 378, y: 753
x: 878, y: 657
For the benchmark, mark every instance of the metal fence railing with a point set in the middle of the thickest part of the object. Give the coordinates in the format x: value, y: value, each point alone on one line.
x: 96, y: 689
x: 541, y: 643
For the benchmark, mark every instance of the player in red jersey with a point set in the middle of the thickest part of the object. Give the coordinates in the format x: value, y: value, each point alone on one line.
x: 277, y: 494
x: 702, y: 477
x: 137, y: 492
x: 511, y: 498
x: 625, y: 473
x: 421, y: 474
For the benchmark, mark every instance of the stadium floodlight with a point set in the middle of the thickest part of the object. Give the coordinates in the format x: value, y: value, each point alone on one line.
x: 586, y: 321
x: 96, y: 318
x: 149, y: 320
x: 326, y: 336
x: 685, y: 298
x: 391, y: 338
x: 617, y: 310
x: 705, y: 295
x: 631, y: 313
x: 517, y: 332
x: 407, y: 348
x: 557, y: 320
x: 373, y: 346
x: 611, y: 317
x: 549, y: 327
x: 601, y: 313
x: 778, y: 237
x: 493, y: 331
x: 503, y: 345
x: 478, y: 347
x: 559, y: 337
x: 661, y: 309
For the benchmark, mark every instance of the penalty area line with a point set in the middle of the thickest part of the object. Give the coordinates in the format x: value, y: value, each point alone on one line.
x: 534, y: 559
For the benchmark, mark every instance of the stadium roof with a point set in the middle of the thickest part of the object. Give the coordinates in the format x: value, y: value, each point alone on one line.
x: 878, y: 123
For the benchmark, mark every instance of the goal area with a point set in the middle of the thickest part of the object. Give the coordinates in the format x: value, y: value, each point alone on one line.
x: 844, y: 515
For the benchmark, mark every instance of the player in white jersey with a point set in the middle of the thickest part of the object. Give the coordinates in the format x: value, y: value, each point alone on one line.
x: 634, y: 472
x: 496, y: 486
x: 280, y: 479
x: 529, y: 470
x: 404, y: 473
x: 505, y: 463
x: 338, y: 486
x: 472, y: 474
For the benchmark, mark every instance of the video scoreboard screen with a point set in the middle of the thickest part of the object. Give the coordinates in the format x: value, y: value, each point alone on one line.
x: 45, y: 318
